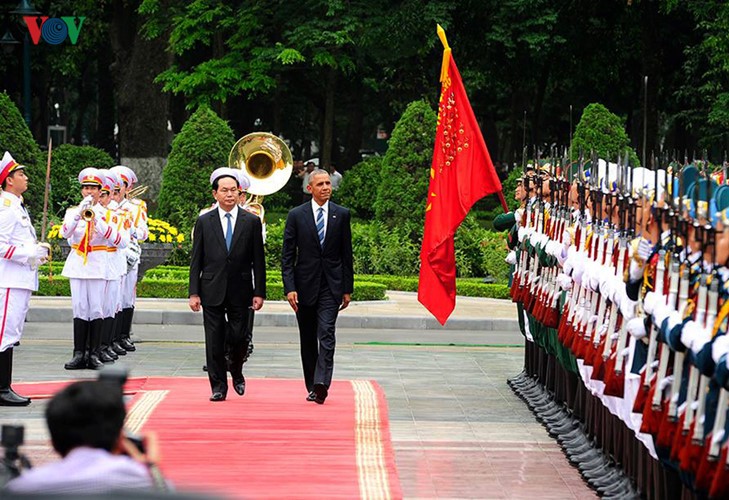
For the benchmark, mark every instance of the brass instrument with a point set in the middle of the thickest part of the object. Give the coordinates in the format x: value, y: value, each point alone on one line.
x: 88, y: 214
x: 268, y: 163
x: 137, y: 192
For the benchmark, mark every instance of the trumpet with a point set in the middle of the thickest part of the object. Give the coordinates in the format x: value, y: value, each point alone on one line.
x: 88, y: 214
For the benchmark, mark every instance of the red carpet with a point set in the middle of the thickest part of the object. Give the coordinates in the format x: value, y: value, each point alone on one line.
x: 270, y: 443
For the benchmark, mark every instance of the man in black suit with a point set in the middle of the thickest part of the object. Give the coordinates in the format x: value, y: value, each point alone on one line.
x: 316, y: 267
x: 227, y: 278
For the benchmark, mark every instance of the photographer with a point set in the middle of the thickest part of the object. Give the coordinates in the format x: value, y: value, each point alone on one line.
x: 86, y: 421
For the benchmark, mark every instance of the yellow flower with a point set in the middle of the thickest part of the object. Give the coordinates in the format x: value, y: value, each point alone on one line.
x: 180, y: 238
x: 152, y: 237
x: 173, y: 231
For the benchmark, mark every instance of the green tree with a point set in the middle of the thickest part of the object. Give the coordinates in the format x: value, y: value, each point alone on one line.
x: 15, y: 137
x: 202, y: 145
x: 603, y: 133
x: 405, y: 170
x: 359, y: 187
x: 67, y: 161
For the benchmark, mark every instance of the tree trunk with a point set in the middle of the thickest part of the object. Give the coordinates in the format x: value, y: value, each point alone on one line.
x: 354, y: 131
x: 141, y: 105
x: 328, y: 132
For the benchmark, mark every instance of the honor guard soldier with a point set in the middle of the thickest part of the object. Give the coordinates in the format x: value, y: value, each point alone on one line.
x: 89, y: 235
x: 21, y: 254
x: 138, y: 231
x: 110, y: 348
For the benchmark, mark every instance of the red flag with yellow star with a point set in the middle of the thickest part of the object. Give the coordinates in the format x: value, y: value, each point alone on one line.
x: 461, y: 174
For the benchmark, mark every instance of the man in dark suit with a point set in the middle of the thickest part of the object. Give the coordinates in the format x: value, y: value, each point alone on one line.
x: 316, y: 267
x: 227, y: 278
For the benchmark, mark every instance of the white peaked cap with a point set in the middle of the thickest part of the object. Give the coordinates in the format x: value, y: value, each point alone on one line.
x: 126, y: 174
x: 224, y: 172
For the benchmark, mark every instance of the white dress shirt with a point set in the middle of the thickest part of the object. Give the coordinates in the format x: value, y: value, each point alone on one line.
x: 224, y: 221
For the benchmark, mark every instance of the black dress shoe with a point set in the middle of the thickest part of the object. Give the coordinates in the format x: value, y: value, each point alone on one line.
x: 320, y: 393
x: 118, y: 349
x: 311, y: 396
x: 8, y: 397
x: 217, y: 396
x: 239, y: 385
x: 127, y: 345
x: 78, y: 362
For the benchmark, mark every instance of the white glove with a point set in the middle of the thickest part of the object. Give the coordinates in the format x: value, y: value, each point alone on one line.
x: 521, y: 233
x: 38, y: 257
x: 627, y: 309
x: 564, y: 281
x: 665, y: 383
x: 566, y: 238
x: 636, y: 271
x: 636, y: 327
x: 651, y: 300
x: 645, y: 249
x: 660, y: 312
x: 511, y: 258
x: 694, y: 336
x: 86, y: 202
x: 720, y: 347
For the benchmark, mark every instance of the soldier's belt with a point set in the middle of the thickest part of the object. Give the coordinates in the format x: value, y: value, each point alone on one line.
x: 95, y: 248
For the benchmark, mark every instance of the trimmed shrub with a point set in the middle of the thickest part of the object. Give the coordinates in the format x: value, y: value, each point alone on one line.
x: 177, y: 289
x: 16, y: 138
x: 202, y: 145
x: 67, y: 161
x: 403, y: 188
x: 358, y: 185
x: 603, y: 133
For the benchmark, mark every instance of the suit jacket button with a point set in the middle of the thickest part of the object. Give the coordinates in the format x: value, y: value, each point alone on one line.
x: 228, y: 260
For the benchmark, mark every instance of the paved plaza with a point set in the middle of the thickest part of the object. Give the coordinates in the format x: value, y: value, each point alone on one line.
x: 457, y: 429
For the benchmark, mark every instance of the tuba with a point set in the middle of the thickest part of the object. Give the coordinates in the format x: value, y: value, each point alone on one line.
x: 268, y: 163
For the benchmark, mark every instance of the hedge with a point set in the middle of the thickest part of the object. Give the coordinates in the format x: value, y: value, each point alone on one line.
x: 177, y: 289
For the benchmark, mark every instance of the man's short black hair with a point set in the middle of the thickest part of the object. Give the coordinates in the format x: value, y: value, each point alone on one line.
x: 215, y: 182
x: 10, y: 175
x: 87, y: 413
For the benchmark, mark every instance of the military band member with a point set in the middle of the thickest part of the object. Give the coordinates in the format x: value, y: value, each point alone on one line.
x: 89, y: 235
x: 21, y: 254
x: 137, y: 213
x: 117, y: 268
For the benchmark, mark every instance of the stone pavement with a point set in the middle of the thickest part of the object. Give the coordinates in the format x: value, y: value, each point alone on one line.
x: 401, y: 311
x: 457, y: 429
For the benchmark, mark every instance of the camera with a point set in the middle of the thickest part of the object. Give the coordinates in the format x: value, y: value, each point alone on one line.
x: 117, y: 375
x: 13, y: 463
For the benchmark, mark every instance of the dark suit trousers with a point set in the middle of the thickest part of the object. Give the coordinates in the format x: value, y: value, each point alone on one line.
x: 316, y: 333
x: 216, y: 327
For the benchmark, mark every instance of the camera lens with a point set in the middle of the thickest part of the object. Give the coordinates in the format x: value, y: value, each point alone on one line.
x: 12, y: 436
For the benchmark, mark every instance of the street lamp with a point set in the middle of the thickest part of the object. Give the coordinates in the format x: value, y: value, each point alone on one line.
x: 25, y: 8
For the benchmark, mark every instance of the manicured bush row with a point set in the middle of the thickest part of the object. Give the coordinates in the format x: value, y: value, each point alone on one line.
x: 177, y: 289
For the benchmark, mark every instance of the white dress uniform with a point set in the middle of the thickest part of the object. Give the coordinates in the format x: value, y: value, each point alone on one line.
x: 87, y: 267
x: 137, y: 213
x: 18, y: 275
x: 20, y: 255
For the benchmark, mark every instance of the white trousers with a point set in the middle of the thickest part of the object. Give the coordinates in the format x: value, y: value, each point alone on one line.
x: 13, y: 308
x: 112, y: 298
x: 129, y: 288
x: 87, y: 298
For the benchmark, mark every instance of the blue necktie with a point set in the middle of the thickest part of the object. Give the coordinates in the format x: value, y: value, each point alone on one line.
x: 320, y: 225
x: 229, y: 232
